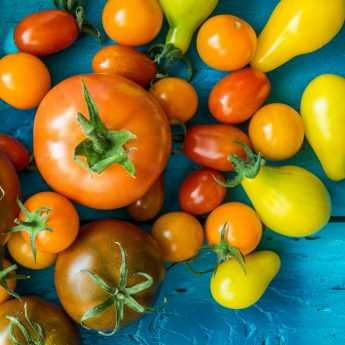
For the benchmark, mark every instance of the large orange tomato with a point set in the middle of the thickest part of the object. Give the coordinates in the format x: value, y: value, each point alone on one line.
x: 101, y: 140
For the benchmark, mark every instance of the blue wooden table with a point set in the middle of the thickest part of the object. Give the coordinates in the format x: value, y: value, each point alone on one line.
x: 305, y: 304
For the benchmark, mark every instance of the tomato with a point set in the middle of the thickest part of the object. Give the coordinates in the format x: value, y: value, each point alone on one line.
x: 177, y: 97
x: 101, y: 249
x: 125, y: 153
x: 35, y: 314
x: 235, y: 288
x: 125, y: 61
x: 24, y: 80
x: 46, y: 32
x: 277, y: 131
x: 132, y: 22
x: 21, y: 252
x: 8, y: 281
x: 17, y: 153
x: 239, y: 95
x: 148, y: 207
x: 200, y: 193
x: 179, y: 234
x: 226, y: 43
x: 9, y: 193
x: 211, y: 145
x: 241, y: 225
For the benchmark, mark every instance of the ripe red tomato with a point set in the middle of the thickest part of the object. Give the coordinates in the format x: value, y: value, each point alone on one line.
x: 47, y: 32
x: 126, y: 152
x: 17, y: 153
x: 211, y: 145
x: 239, y: 95
x: 200, y: 193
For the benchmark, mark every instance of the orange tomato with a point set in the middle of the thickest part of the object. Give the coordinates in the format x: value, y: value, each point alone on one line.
x: 226, y: 43
x: 126, y: 62
x: 244, y: 226
x: 277, y: 131
x: 179, y: 235
x: 21, y: 252
x: 177, y: 97
x: 24, y: 80
x: 132, y: 22
x: 11, y: 283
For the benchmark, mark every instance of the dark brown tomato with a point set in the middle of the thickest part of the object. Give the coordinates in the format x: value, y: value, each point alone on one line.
x: 57, y: 327
x: 96, y: 250
x: 47, y: 32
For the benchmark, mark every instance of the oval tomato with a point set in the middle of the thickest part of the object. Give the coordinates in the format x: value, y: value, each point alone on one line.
x: 55, y: 327
x: 122, y: 145
x: 126, y: 62
x: 8, y: 281
x: 200, y: 192
x: 239, y: 95
x: 211, y: 145
x: 119, y: 254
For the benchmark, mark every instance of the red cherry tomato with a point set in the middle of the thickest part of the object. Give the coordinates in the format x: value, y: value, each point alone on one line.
x: 17, y: 153
x: 239, y: 95
x: 200, y: 193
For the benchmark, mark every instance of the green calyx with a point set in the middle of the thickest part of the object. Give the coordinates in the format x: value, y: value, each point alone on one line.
x: 34, y: 223
x: 102, y: 147
x: 166, y: 56
x: 120, y: 296
x: 77, y: 9
x: 32, y: 332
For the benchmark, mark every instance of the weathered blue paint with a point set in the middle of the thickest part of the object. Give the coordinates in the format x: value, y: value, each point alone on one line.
x: 305, y: 304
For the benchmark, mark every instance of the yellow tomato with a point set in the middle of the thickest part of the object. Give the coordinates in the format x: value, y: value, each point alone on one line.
x: 297, y: 27
x: 323, y: 109
x: 234, y: 288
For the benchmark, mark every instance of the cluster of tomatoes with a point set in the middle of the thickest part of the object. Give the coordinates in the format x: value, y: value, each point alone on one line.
x: 104, y: 139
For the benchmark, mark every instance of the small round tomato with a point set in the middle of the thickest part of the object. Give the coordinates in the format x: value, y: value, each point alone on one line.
x: 147, y: 207
x: 179, y: 234
x: 239, y: 95
x: 211, y: 145
x: 21, y: 252
x: 24, y: 80
x: 126, y: 62
x: 277, y: 131
x: 17, y: 153
x: 200, y: 193
x: 132, y: 22
x: 241, y: 225
x: 177, y: 97
x: 8, y: 282
x: 226, y: 43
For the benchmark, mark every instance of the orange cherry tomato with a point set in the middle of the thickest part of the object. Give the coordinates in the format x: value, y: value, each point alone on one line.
x: 177, y: 97
x: 21, y: 252
x: 179, y: 234
x: 132, y: 22
x: 11, y: 283
x: 24, y: 80
x: 277, y: 131
x: 239, y: 95
x: 148, y: 207
x: 244, y: 226
x: 126, y: 62
x: 226, y: 43
x: 200, y: 193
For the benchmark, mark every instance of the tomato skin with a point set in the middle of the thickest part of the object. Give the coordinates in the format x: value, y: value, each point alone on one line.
x: 11, y: 283
x: 226, y: 43
x: 244, y: 226
x: 177, y: 97
x: 122, y: 23
x: 277, y: 131
x: 136, y: 111
x: 47, y: 32
x: 239, y: 95
x: 24, y: 80
x: 126, y: 62
x: 200, y: 193
x: 17, y: 153
x: 179, y: 234
x: 211, y: 145
x: 97, y: 252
